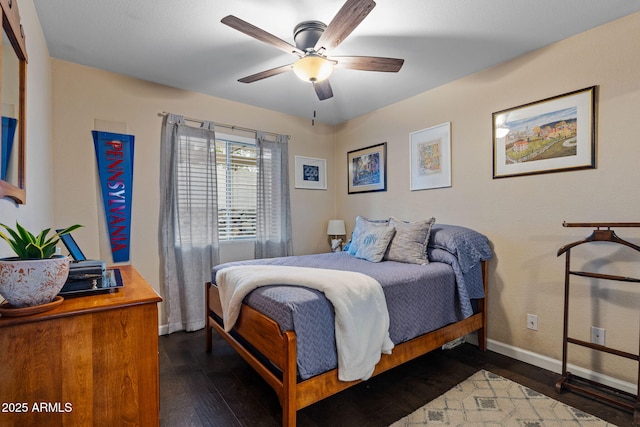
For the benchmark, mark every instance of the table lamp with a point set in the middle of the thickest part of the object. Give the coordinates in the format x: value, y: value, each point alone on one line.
x: 336, y: 228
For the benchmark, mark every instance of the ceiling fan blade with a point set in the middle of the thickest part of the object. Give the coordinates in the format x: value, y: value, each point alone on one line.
x: 264, y: 74
x: 368, y: 63
x: 323, y: 90
x: 260, y: 34
x: 346, y: 20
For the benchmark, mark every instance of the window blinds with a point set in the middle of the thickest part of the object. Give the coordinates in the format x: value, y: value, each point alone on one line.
x: 236, y: 172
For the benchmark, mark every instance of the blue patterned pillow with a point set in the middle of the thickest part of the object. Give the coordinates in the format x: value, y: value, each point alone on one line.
x: 362, y: 225
x: 374, y: 243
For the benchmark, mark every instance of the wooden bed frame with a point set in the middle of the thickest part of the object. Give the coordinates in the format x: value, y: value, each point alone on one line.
x: 264, y: 335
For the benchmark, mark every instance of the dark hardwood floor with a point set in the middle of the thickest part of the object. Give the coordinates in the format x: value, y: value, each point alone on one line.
x: 220, y: 389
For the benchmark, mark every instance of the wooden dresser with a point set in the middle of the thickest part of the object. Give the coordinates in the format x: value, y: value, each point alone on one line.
x: 93, y: 360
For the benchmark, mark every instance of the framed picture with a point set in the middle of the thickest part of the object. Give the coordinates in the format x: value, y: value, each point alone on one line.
x: 553, y: 135
x: 430, y: 157
x: 367, y: 169
x: 311, y: 173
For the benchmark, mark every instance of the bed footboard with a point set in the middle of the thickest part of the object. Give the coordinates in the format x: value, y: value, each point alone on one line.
x: 264, y: 335
x: 279, y: 348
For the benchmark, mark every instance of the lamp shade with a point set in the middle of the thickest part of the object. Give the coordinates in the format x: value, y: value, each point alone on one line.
x: 313, y: 68
x: 336, y: 227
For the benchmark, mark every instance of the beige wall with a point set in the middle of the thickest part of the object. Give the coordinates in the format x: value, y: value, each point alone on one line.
x: 84, y: 95
x: 36, y: 214
x: 523, y: 216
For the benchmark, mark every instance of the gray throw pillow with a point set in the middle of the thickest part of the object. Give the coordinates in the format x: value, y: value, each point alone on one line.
x: 409, y: 244
x: 374, y: 243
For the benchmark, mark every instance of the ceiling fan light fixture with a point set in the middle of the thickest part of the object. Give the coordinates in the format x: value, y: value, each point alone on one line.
x: 313, y: 68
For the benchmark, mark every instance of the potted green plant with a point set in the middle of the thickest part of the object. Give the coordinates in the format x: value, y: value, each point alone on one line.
x: 36, y: 275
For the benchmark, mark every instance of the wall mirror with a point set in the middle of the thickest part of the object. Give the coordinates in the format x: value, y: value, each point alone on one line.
x: 13, y: 57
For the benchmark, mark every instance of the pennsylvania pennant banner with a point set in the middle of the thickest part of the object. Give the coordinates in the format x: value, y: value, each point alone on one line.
x: 114, y: 153
x: 8, y: 132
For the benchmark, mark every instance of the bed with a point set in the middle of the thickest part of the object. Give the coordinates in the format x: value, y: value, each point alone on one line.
x: 286, y: 333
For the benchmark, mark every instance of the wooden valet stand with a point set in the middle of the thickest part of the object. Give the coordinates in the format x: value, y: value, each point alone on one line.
x: 569, y: 381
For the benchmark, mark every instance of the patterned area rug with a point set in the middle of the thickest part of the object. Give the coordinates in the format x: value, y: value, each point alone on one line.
x: 486, y: 399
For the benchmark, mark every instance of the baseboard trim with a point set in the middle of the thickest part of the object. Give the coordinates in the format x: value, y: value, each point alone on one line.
x: 163, y: 329
x: 554, y: 365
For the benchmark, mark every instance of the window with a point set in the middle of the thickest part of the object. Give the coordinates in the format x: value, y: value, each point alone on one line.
x: 195, y: 185
x: 237, y: 176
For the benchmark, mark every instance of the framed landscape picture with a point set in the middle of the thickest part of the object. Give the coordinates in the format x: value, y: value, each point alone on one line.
x: 553, y: 135
x: 311, y: 173
x: 430, y: 157
x: 367, y: 169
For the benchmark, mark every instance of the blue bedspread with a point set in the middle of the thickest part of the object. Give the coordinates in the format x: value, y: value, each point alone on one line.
x: 420, y: 298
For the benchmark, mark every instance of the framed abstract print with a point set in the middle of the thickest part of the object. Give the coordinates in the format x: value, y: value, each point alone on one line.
x: 311, y: 173
x: 430, y: 157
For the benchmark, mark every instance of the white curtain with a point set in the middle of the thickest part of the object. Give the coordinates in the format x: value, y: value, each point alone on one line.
x: 188, y: 231
x: 273, y: 210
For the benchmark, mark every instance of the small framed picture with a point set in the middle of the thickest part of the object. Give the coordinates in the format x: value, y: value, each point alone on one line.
x: 552, y: 135
x: 430, y: 157
x: 311, y: 173
x: 367, y: 169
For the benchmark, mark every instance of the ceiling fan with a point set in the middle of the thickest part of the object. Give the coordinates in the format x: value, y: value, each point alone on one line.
x: 313, y: 40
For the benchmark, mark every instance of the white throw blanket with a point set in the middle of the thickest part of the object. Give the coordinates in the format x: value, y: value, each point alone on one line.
x: 361, y: 316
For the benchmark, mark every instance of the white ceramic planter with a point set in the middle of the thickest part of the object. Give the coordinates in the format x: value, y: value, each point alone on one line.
x: 25, y: 283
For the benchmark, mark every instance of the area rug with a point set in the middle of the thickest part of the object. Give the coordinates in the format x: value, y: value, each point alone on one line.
x: 486, y: 399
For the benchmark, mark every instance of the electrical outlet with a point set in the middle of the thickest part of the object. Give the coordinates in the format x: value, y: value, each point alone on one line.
x: 597, y: 335
x: 532, y: 322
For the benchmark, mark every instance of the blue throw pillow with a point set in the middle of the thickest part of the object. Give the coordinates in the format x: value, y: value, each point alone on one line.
x: 374, y: 243
x: 361, y: 227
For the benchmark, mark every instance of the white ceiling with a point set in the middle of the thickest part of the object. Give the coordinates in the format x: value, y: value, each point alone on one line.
x: 183, y: 44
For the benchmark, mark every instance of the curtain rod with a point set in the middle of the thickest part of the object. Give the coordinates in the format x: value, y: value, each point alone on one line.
x: 232, y: 127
